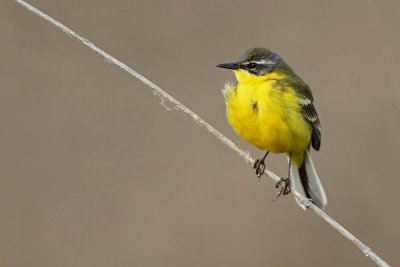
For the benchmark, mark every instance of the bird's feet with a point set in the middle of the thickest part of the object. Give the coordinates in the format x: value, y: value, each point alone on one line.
x: 259, y: 166
x: 284, y: 184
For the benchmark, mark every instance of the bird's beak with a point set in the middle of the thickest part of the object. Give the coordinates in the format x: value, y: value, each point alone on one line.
x: 231, y: 66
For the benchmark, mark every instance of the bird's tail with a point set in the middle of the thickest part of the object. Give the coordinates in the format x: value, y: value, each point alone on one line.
x: 305, y: 180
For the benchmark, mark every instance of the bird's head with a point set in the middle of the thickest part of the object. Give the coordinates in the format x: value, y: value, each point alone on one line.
x: 256, y: 63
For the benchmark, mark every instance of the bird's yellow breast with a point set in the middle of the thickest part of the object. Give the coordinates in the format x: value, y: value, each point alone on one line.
x: 267, y: 114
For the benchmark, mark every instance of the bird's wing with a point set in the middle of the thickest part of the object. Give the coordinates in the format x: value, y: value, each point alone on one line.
x: 308, y: 110
x: 311, y: 117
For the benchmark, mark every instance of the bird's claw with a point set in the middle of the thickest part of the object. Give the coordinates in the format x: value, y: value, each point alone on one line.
x: 284, y: 184
x: 259, y: 166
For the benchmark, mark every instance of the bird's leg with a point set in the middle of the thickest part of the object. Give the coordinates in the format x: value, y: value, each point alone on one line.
x: 284, y: 184
x: 259, y: 166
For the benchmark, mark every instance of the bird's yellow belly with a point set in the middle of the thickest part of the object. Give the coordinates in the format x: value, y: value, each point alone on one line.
x: 268, y: 121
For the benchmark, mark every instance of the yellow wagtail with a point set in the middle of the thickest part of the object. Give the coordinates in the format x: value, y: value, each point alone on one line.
x: 272, y: 108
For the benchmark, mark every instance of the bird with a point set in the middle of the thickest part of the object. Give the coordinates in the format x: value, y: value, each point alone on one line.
x: 272, y: 108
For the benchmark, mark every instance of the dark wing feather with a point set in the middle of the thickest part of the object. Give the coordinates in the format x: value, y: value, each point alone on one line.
x: 307, y: 109
x: 311, y: 116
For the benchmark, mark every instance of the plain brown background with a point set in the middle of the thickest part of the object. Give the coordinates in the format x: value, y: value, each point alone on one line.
x: 95, y: 172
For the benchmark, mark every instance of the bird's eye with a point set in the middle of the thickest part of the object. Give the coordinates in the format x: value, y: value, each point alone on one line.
x: 252, y: 65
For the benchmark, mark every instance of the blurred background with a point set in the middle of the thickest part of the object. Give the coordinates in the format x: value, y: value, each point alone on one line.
x: 95, y: 172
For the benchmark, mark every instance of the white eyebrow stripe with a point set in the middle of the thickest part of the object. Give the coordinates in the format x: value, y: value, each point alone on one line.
x: 264, y: 62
